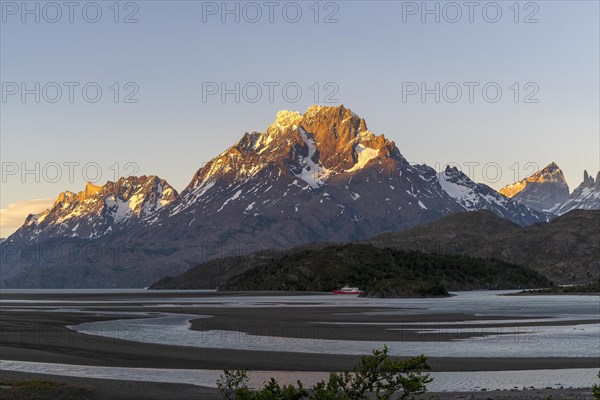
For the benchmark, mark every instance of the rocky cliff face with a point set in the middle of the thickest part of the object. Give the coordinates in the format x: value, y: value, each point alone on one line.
x: 312, y: 177
x: 545, y: 190
x: 586, y: 196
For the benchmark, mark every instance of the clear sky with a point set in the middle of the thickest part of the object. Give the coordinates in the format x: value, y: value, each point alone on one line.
x: 369, y: 57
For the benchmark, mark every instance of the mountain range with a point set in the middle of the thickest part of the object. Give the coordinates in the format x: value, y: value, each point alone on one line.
x: 313, y: 177
x: 547, y: 191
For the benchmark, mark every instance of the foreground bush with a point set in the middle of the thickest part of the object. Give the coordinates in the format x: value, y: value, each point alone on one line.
x: 375, y: 377
x: 596, y: 389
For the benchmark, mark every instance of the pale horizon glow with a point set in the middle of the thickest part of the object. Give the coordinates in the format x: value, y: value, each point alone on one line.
x: 13, y: 216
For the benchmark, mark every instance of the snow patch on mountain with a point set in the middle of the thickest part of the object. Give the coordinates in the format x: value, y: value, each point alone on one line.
x: 120, y: 210
x: 312, y: 172
x: 465, y: 195
x: 232, y: 198
x: 365, y: 154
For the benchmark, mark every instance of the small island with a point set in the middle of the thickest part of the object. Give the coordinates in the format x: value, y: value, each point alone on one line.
x: 588, y: 289
x: 401, y: 288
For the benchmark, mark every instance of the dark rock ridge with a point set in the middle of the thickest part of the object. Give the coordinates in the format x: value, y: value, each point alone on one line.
x: 565, y: 250
x: 312, y: 177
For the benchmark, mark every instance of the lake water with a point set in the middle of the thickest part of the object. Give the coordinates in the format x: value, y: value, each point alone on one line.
x: 575, y: 339
x: 572, y: 340
x: 537, y: 341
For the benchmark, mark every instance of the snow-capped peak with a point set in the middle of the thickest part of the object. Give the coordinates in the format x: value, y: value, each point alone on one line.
x: 314, y: 146
x: 97, y: 210
x: 312, y: 172
x: 365, y: 154
x: 285, y: 119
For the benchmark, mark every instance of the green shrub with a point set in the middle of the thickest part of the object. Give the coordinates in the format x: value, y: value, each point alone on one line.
x: 375, y: 377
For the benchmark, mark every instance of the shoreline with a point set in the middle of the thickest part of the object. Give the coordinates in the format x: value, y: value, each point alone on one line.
x: 109, y: 389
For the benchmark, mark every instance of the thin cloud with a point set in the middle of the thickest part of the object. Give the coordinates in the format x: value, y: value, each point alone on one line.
x: 13, y: 216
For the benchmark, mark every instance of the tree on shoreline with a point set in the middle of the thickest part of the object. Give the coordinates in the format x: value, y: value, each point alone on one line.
x: 375, y: 376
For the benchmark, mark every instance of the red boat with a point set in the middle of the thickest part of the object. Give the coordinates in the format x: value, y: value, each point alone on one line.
x: 348, y: 290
